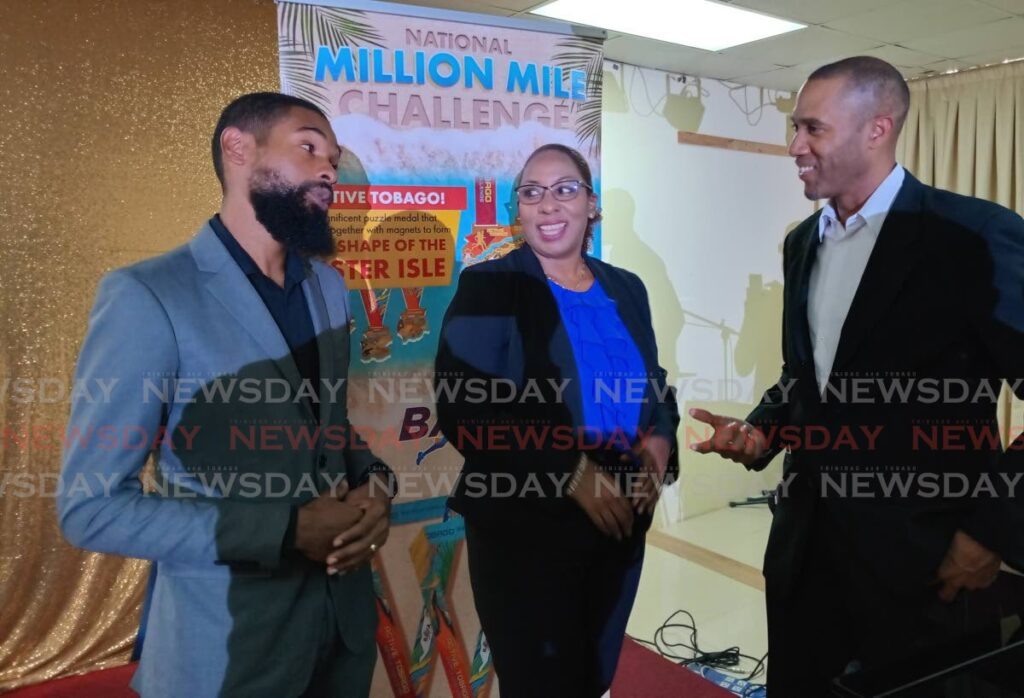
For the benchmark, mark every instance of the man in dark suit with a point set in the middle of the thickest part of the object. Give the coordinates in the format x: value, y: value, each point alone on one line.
x: 903, y: 313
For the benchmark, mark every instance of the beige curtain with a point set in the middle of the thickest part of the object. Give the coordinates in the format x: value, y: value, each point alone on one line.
x: 965, y: 133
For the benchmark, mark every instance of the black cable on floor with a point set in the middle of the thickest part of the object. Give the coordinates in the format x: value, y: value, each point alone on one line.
x: 727, y: 660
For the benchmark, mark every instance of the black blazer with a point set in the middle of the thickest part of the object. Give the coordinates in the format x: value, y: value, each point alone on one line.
x: 503, y: 323
x: 940, y: 307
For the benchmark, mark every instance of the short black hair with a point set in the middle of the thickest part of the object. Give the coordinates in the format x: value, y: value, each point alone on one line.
x: 867, y: 73
x: 254, y: 113
x: 583, y: 166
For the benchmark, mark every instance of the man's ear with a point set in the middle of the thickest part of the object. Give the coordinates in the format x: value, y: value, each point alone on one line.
x: 881, y: 127
x: 236, y: 146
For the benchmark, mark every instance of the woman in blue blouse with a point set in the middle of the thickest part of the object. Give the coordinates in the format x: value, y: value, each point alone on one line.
x: 563, y: 472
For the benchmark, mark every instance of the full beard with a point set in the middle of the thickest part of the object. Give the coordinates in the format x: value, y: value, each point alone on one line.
x: 287, y: 214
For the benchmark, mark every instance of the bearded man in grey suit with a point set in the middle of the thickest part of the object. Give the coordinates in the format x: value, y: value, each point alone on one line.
x: 231, y: 353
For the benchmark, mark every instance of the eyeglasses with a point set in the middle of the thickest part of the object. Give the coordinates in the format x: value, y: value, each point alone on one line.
x: 561, y: 191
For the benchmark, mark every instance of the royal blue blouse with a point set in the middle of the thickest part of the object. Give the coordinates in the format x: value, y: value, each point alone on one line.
x: 611, y: 370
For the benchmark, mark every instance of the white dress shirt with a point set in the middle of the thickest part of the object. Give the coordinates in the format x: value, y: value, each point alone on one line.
x: 841, y: 259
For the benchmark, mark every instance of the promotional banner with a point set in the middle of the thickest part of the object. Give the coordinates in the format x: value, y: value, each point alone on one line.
x: 436, y: 113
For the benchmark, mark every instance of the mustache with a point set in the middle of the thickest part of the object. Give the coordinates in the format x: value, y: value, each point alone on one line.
x: 313, y: 186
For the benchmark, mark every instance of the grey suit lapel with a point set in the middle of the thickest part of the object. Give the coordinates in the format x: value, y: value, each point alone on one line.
x: 324, y: 340
x: 229, y: 285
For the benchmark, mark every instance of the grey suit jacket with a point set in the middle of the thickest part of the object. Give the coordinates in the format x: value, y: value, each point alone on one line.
x: 204, y: 381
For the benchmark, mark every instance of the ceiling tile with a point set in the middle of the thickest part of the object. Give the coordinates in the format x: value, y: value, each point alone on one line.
x: 811, y: 11
x: 679, y: 59
x: 651, y: 54
x: 913, y: 35
x: 795, y: 75
x: 814, y: 44
x: 1014, y: 6
x: 912, y: 19
x: 806, y: 69
x: 726, y: 67
x: 519, y: 5
x: 901, y: 57
x: 781, y: 79
x: 1003, y: 34
x: 460, y: 6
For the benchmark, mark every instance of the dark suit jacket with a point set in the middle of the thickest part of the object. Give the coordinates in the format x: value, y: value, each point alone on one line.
x: 939, y: 312
x: 503, y: 323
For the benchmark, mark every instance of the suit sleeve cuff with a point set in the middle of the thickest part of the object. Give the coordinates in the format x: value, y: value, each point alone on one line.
x: 251, y: 535
x: 384, y: 474
x: 288, y: 544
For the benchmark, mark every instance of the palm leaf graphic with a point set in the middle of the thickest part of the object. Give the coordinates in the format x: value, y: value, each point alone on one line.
x: 581, y: 53
x: 302, y: 29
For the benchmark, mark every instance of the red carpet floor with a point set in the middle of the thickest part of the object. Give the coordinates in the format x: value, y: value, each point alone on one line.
x: 644, y: 674
x: 641, y: 674
x: 107, y: 683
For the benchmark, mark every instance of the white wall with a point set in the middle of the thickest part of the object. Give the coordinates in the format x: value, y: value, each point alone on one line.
x: 696, y: 223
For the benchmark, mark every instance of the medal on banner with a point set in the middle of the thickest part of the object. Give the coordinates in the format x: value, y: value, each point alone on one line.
x: 481, y: 674
x: 453, y: 655
x: 375, y: 344
x: 423, y: 648
x: 488, y: 240
x: 412, y: 324
x: 434, y: 563
x: 390, y: 639
x: 423, y: 653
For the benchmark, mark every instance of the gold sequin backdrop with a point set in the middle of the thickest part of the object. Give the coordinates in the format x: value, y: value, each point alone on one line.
x: 106, y: 112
